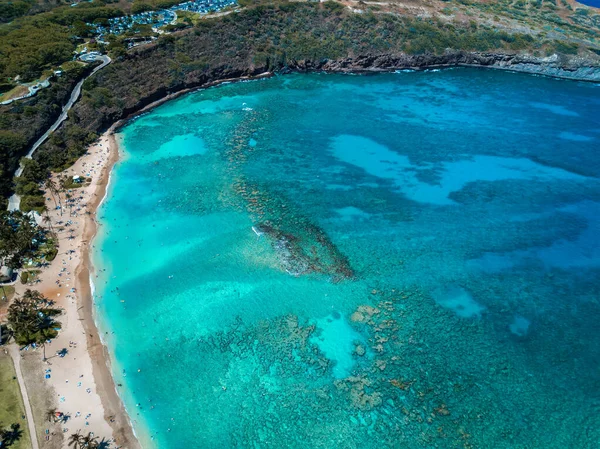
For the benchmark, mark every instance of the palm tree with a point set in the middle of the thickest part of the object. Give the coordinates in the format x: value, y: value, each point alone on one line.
x: 67, y: 200
x: 10, y: 437
x: 78, y: 441
x: 51, y: 187
x: 19, y: 236
x: 42, y: 337
x: 48, y: 221
x: 75, y: 439
x: 32, y: 319
x: 90, y: 441
x: 51, y: 414
x: 63, y: 182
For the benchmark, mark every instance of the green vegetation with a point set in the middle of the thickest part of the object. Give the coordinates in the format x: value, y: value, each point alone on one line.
x: 20, y: 238
x: 51, y: 253
x: 265, y: 35
x: 89, y: 441
x: 13, y: 9
x: 27, y: 185
x: 13, y: 427
x: 31, y: 44
x: 6, y: 294
x: 11, y: 91
x: 32, y: 319
x: 68, y: 183
x: 29, y: 276
x: 28, y: 49
x: 22, y: 122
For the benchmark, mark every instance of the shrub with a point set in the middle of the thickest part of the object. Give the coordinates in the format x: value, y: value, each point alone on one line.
x: 51, y: 254
x: 567, y: 48
x: 32, y: 202
x: 333, y: 6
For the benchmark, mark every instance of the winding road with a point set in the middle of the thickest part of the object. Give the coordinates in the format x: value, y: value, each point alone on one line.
x: 15, y: 200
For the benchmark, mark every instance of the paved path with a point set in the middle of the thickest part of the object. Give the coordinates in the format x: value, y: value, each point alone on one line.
x: 16, y: 356
x: 31, y: 91
x: 15, y: 201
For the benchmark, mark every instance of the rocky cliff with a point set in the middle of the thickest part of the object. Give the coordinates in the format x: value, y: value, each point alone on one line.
x: 560, y: 66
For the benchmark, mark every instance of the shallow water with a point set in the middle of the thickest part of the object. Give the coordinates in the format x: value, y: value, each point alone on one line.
x: 325, y: 261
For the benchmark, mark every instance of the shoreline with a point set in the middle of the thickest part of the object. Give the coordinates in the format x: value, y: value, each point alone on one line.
x: 105, y: 385
x: 121, y: 424
x: 79, y: 384
x: 115, y: 127
x: 143, y: 108
x: 68, y: 280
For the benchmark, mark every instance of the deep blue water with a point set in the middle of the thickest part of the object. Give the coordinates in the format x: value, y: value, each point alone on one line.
x: 594, y: 3
x: 324, y: 261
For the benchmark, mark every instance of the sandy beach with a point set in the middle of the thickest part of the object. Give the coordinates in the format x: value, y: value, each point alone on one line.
x: 78, y: 384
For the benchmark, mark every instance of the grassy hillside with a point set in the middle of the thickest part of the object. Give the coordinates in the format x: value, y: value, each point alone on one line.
x: 12, y: 409
x: 551, y: 19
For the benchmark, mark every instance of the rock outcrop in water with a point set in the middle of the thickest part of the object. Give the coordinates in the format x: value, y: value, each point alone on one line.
x: 301, y: 247
x: 308, y: 250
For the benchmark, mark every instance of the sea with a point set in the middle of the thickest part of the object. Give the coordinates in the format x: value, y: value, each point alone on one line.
x: 401, y: 260
x: 594, y: 3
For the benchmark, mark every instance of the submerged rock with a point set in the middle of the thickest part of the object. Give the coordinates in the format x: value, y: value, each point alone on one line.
x: 519, y: 326
x: 458, y: 300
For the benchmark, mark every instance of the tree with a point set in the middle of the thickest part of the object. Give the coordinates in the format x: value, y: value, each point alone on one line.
x: 8, y: 437
x: 68, y: 201
x: 64, y: 183
x: 32, y: 171
x: 48, y: 221
x: 79, y: 441
x: 31, y: 319
x: 50, y: 186
x: 19, y: 237
x: 80, y: 29
x: 51, y: 414
x: 90, y: 441
x: 75, y: 439
x: 139, y: 7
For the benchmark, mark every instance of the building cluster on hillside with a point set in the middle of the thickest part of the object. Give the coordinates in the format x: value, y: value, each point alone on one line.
x: 203, y: 6
x: 119, y: 25
x: 160, y: 18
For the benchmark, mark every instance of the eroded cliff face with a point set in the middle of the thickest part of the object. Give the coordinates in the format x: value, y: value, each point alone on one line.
x: 579, y: 68
x: 148, y: 77
x: 560, y: 66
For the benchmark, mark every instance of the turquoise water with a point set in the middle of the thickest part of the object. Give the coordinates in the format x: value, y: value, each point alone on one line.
x: 406, y: 260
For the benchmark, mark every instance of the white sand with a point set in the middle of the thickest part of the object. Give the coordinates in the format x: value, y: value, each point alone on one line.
x: 81, y: 379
